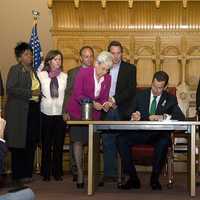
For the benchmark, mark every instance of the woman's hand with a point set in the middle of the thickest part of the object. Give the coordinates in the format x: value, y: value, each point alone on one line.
x: 136, y: 116
x: 107, y: 105
x: 97, y: 106
x: 66, y: 116
x: 36, y: 92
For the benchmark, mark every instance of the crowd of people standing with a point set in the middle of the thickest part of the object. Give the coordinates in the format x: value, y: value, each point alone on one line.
x: 39, y: 102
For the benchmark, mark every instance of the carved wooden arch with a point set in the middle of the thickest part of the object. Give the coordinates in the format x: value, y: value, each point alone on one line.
x: 142, y: 49
x: 141, y: 54
x: 97, y: 49
x: 171, y: 62
x: 193, y: 49
x: 167, y: 51
x: 192, y: 65
x: 146, y: 64
x: 70, y: 51
x: 72, y: 54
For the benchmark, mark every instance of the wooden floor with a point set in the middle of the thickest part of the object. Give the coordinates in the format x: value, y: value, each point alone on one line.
x: 66, y: 190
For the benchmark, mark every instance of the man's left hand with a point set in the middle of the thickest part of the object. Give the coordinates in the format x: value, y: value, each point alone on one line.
x: 156, y: 117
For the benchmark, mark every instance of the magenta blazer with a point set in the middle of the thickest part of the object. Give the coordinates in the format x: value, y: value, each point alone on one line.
x: 84, y: 86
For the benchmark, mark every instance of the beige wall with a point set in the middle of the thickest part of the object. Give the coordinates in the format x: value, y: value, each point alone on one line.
x: 16, y: 23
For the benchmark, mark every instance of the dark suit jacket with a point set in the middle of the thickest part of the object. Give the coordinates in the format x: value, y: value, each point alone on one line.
x: 167, y: 104
x: 125, y: 88
x: 1, y: 86
x: 70, y: 82
x: 198, y: 98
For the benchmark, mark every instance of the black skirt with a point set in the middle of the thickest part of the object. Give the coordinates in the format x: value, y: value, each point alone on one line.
x: 79, y: 133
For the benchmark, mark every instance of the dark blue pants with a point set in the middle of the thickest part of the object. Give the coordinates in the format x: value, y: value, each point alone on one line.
x: 109, y: 146
x: 159, y: 139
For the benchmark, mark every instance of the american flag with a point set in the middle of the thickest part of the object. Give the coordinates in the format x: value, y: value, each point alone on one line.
x: 35, y: 45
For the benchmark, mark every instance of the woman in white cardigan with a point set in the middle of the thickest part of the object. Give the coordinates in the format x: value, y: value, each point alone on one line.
x: 53, y: 84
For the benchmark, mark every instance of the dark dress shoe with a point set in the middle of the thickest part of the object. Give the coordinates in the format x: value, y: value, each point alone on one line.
x: 27, y: 180
x: 109, y: 179
x: 131, y: 183
x: 101, y: 184
x: 46, y: 178
x: 58, y: 178
x: 80, y: 185
x: 155, y: 185
x: 2, y: 181
x: 75, y: 177
x: 17, y: 183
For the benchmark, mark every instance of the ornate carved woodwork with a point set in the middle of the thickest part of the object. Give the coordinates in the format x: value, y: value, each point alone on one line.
x: 165, y: 38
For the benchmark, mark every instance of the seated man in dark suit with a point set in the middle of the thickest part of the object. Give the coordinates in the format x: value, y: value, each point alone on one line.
x: 150, y: 104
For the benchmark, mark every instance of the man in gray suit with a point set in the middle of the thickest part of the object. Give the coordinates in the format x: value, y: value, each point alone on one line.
x: 87, y: 60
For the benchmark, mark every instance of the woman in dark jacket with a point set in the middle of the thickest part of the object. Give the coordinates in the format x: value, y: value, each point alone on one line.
x: 22, y: 113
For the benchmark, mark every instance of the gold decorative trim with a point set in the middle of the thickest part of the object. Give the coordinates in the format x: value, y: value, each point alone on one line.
x: 185, y: 3
x: 171, y: 16
x: 130, y: 3
x: 50, y: 4
x: 76, y: 3
x: 103, y: 3
x: 157, y: 2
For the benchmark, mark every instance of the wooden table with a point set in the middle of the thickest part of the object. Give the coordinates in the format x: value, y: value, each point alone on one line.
x: 188, y: 126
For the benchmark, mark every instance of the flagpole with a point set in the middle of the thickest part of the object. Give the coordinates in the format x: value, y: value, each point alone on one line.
x: 35, y: 14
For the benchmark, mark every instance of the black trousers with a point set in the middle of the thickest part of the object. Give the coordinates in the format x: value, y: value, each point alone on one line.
x: 53, y: 133
x: 159, y: 139
x: 23, y: 158
x: 3, y: 150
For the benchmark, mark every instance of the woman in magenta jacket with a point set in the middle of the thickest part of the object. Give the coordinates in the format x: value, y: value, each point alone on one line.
x: 91, y: 83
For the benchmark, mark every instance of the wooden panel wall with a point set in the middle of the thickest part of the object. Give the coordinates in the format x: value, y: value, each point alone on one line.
x: 154, y: 39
